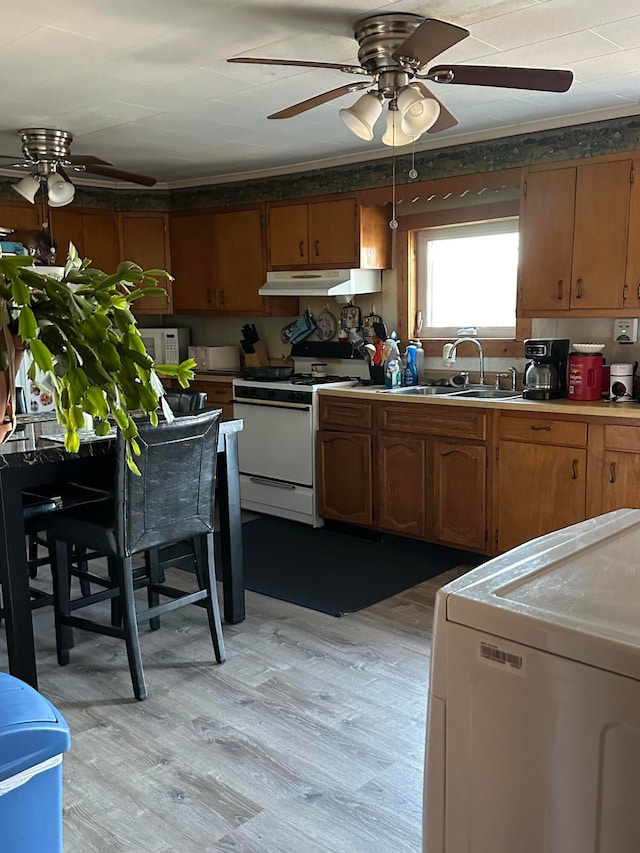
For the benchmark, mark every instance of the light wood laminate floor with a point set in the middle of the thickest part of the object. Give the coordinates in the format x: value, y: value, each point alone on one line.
x: 309, y: 739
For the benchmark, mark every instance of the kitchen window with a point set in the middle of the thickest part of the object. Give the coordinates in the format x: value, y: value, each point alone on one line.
x: 467, y: 279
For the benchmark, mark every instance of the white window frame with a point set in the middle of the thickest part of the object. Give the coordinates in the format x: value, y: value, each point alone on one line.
x: 494, y: 226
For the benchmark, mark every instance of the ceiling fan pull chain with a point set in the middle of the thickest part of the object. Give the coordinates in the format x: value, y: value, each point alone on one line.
x: 394, y: 222
x: 413, y: 172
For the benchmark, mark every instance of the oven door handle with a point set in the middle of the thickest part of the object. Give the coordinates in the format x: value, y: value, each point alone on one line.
x: 291, y: 406
x: 275, y: 484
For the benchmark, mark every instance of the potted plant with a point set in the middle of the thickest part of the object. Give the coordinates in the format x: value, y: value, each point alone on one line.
x: 81, y: 333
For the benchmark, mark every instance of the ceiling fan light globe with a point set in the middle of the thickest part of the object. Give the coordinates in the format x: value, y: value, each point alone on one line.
x: 27, y: 188
x: 394, y: 136
x: 60, y: 192
x: 362, y: 116
x: 417, y: 113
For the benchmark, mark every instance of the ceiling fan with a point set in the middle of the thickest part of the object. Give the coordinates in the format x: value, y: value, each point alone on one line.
x: 394, y: 50
x: 47, y: 154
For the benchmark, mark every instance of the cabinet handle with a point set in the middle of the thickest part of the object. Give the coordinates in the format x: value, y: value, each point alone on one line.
x: 301, y: 248
x: 560, y: 290
x: 574, y: 469
x: 222, y: 297
x: 579, y: 289
x: 638, y: 293
x: 208, y: 296
x: 612, y: 472
x: 317, y: 247
x: 539, y: 428
x: 625, y: 291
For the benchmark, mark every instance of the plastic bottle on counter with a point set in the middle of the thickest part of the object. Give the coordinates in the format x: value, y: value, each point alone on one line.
x: 392, y: 365
x: 419, y: 358
x: 410, y: 376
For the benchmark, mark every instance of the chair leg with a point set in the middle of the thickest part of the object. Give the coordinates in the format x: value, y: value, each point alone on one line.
x: 152, y: 560
x: 205, y: 571
x: 125, y: 567
x: 33, y: 555
x: 116, y: 603
x: 60, y: 556
x: 83, y: 567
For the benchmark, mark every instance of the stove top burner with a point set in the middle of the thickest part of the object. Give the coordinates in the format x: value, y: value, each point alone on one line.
x: 308, y: 379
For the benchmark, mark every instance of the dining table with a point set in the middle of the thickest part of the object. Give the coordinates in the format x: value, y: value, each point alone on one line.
x: 35, y: 456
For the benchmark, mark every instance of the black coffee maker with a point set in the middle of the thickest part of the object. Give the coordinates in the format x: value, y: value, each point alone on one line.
x: 545, y: 376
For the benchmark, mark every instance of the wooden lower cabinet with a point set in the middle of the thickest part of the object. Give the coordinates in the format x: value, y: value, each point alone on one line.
x: 620, y: 487
x: 401, y: 493
x: 460, y: 494
x: 541, y: 487
x: 344, y: 477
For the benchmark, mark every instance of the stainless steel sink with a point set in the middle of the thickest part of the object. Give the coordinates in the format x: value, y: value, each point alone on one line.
x: 487, y: 394
x: 420, y: 390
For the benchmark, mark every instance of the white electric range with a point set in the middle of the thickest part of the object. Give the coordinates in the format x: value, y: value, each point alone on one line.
x: 277, y: 445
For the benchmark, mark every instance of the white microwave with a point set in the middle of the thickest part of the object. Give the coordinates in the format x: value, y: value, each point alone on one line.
x: 166, y: 346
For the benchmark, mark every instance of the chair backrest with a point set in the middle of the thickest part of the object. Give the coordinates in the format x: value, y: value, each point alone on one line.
x: 186, y: 401
x: 174, y: 496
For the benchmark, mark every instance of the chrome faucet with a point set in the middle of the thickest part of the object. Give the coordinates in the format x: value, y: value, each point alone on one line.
x: 452, y: 353
x: 514, y: 377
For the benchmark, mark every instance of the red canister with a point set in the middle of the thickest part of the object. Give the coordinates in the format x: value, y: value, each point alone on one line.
x: 585, y: 376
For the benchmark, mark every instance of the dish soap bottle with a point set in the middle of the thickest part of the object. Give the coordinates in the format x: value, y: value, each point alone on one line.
x: 411, y: 369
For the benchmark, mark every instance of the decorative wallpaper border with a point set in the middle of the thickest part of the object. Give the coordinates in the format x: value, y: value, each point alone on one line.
x: 568, y: 143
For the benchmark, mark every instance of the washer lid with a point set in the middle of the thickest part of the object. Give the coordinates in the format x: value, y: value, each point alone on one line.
x: 574, y: 593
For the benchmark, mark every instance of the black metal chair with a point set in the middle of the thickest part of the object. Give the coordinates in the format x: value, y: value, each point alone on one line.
x: 182, y: 402
x: 172, y: 500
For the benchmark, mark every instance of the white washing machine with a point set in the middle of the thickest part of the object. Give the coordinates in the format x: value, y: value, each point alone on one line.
x: 533, y: 732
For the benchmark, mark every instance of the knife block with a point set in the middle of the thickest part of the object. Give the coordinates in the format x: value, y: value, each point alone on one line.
x: 259, y: 358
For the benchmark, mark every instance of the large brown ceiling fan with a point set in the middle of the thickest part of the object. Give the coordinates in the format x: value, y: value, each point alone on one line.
x: 47, y: 155
x: 395, y: 50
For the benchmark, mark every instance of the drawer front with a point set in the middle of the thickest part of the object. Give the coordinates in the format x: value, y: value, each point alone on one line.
x: 618, y: 437
x: 434, y: 420
x: 343, y: 414
x: 543, y: 430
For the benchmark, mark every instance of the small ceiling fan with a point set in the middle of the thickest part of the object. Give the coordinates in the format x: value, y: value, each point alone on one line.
x: 47, y: 154
x: 395, y: 49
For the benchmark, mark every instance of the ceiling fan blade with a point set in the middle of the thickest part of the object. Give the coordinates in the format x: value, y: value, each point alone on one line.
x: 110, y: 172
x: 445, y: 120
x: 88, y: 159
x: 349, y: 69
x: 303, y: 106
x: 542, y: 79
x: 430, y: 39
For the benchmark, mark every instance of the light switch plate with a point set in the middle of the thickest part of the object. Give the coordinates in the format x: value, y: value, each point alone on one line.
x: 625, y: 331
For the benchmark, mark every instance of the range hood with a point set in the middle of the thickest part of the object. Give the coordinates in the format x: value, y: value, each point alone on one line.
x: 339, y: 284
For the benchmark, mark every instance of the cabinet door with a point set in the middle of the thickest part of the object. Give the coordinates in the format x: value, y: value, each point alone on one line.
x: 621, y: 476
x: 66, y: 227
x: 219, y: 395
x: 192, y: 262
x: 546, y: 240
x: 144, y: 240
x: 540, y: 488
x: 401, y: 490
x: 600, y: 241
x: 288, y: 235
x: 344, y: 477
x: 100, y: 240
x: 238, y: 261
x: 460, y: 494
x: 20, y: 216
x: 333, y: 233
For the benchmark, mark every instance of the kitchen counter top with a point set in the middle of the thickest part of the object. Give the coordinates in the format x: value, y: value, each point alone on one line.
x: 600, y: 408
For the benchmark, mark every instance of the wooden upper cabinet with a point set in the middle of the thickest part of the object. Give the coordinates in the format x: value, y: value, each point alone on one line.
x: 288, y: 235
x: 574, y: 235
x: 239, y: 269
x: 631, y: 293
x: 328, y: 234
x: 27, y: 216
x: 546, y: 240
x: 144, y: 239
x: 93, y: 233
x: 333, y: 233
x: 192, y: 262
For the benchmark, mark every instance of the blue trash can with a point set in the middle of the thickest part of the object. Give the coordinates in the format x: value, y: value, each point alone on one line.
x: 33, y: 736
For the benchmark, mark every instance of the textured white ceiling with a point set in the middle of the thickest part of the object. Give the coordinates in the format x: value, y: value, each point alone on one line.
x: 145, y: 84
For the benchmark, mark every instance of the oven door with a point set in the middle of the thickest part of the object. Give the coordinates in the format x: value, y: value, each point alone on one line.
x: 277, y: 441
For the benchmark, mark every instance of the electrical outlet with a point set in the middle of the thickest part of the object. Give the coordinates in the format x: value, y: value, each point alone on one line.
x: 625, y: 331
